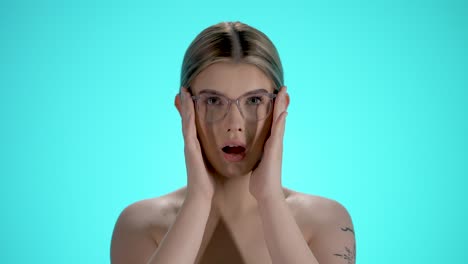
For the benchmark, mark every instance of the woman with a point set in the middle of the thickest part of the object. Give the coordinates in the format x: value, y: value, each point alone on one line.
x: 234, y: 209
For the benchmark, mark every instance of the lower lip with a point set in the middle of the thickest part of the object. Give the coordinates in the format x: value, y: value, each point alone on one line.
x: 234, y: 157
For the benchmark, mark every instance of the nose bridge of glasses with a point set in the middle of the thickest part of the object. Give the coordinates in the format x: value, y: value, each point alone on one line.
x: 236, y: 103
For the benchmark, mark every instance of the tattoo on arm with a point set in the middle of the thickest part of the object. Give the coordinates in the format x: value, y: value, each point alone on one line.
x: 347, y: 229
x: 350, y: 254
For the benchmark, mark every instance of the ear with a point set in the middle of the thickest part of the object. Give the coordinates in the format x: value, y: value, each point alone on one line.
x: 287, y: 100
x: 286, y: 97
x: 178, y: 103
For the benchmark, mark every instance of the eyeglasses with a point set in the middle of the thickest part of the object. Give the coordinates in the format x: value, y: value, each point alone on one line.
x: 215, y: 107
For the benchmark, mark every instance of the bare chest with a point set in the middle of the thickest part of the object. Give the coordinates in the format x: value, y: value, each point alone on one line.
x: 236, y: 243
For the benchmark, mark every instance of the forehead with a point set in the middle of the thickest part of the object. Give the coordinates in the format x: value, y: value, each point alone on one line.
x: 231, y: 79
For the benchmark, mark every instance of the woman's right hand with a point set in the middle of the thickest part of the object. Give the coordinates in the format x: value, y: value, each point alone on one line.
x: 199, y: 181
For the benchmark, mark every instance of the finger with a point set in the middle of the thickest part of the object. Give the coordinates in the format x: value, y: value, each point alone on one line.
x: 280, y: 104
x: 274, y: 145
x: 188, y: 115
x: 191, y: 111
x: 183, y: 111
x: 279, y: 128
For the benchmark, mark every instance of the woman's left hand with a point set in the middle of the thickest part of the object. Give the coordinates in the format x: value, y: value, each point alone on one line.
x: 265, y: 180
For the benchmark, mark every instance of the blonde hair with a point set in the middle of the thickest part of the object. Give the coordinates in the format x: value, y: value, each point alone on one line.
x: 232, y: 42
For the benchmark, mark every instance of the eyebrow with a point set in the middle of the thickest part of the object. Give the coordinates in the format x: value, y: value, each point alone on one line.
x: 219, y: 93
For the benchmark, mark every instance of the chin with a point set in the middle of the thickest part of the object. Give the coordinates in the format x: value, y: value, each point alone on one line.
x: 232, y: 173
x: 231, y: 170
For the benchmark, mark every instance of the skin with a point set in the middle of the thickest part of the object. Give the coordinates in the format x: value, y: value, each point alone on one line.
x: 233, y: 212
x: 233, y: 179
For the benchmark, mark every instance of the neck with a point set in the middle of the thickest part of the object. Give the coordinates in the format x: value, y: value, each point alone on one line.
x: 232, y: 197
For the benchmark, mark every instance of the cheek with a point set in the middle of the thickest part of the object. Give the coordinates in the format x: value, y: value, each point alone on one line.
x: 206, y: 135
x: 260, y: 133
x: 265, y: 128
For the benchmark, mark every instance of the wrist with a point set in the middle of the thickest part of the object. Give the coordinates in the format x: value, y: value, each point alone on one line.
x: 271, y: 196
x: 199, y: 197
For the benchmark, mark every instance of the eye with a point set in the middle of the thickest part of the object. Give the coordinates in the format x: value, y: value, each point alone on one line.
x: 213, y: 100
x: 254, y: 100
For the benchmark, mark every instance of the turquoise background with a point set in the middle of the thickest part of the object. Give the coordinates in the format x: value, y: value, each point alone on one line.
x: 377, y: 121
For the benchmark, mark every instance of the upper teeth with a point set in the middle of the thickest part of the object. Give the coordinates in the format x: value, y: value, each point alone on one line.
x: 232, y: 146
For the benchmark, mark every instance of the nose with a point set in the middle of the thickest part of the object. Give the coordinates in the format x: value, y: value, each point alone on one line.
x: 234, y: 119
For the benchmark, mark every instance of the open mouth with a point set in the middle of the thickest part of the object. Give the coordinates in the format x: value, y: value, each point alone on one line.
x: 233, y: 149
x: 234, y: 153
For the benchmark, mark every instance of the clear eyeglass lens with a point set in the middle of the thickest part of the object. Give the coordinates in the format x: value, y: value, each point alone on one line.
x: 214, y: 107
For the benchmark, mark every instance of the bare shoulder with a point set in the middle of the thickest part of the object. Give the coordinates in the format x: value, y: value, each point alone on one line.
x: 141, y: 226
x: 156, y: 215
x: 327, y: 227
x: 313, y: 212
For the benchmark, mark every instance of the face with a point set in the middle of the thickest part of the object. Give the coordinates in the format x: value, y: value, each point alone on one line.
x: 232, y: 81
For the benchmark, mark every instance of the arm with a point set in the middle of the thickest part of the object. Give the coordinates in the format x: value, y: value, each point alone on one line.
x: 132, y: 243
x: 183, y: 239
x: 182, y: 242
x: 334, y: 242
x: 283, y: 237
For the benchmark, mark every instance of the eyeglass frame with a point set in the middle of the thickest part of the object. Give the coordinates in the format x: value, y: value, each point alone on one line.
x: 272, y: 97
